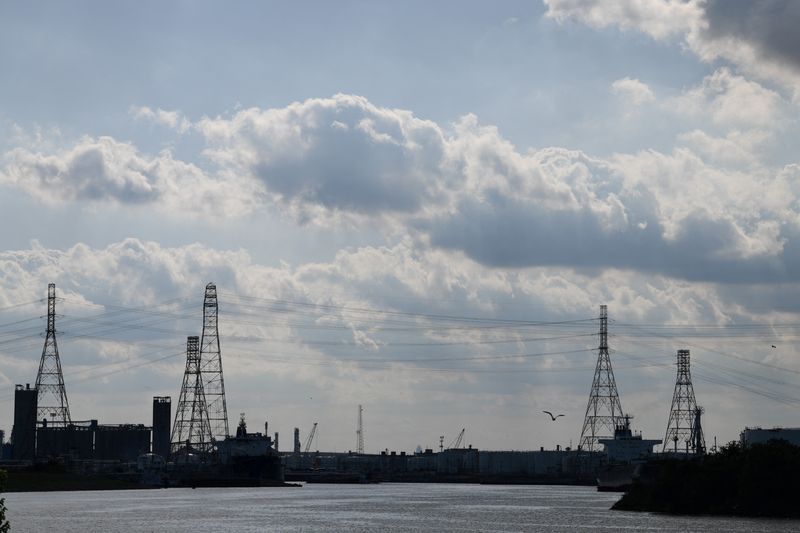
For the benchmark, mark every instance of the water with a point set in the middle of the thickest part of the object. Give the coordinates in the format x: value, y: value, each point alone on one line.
x: 353, y: 508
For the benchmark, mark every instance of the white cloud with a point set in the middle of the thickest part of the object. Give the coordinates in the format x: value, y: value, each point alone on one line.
x: 96, y: 169
x: 660, y: 19
x: 103, y: 169
x: 735, y: 149
x: 171, y: 119
x: 634, y: 90
x: 732, y: 101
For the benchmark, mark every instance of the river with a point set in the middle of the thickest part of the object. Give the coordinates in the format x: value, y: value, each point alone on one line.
x: 385, y: 507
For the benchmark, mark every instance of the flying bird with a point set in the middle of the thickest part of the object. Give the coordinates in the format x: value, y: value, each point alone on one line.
x: 774, y: 346
x: 551, y: 415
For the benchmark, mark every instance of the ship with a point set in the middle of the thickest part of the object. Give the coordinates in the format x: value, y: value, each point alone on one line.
x: 625, y: 453
x: 243, y: 460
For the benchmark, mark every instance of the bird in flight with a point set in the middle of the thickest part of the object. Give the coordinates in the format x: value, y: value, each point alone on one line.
x: 774, y: 346
x: 551, y: 415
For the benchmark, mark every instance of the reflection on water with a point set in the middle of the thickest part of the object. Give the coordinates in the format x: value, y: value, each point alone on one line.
x: 353, y: 508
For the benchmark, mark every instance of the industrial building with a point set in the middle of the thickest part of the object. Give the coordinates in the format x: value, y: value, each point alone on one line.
x: 758, y: 435
x: 467, y: 465
x: 76, y: 440
x: 80, y: 440
x: 23, y: 434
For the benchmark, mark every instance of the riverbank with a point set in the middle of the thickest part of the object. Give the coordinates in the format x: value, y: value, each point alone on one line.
x: 54, y: 477
x: 64, y: 481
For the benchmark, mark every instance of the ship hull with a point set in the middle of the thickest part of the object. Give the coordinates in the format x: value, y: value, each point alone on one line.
x: 616, y: 478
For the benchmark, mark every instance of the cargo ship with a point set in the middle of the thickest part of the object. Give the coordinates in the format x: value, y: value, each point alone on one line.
x: 626, y: 453
x: 244, y: 460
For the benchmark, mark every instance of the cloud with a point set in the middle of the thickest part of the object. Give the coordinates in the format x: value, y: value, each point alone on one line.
x: 342, y: 154
x: 94, y: 169
x: 769, y: 25
x: 667, y: 213
x: 757, y: 37
x: 760, y: 37
x: 634, y: 90
x: 660, y: 19
x: 171, y: 119
x: 467, y: 188
x: 103, y: 169
x: 691, y: 214
x: 736, y: 148
x: 297, y: 351
x: 732, y: 101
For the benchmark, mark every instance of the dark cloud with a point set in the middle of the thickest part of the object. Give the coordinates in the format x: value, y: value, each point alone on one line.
x: 759, y: 37
x: 771, y: 26
x: 506, y: 233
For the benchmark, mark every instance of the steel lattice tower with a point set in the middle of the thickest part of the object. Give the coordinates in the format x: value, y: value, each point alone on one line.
x: 191, y: 432
x: 698, y: 439
x: 681, y: 435
x: 604, y: 411
x: 360, y: 432
x: 211, y: 367
x: 52, y: 396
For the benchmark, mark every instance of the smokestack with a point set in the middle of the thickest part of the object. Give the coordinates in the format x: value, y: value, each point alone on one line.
x: 296, y: 440
x: 276, y: 441
x: 162, y: 413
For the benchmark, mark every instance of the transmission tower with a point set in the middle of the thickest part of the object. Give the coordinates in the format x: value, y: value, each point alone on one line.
x: 191, y: 432
x: 684, y: 414
x: 51, y: 396
x: 604, y: 411
x: 211, y: 367
x: 360, y: 432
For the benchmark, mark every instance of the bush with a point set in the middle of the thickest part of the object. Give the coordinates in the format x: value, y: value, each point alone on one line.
x: 762, y: 480
x: 4, y: 525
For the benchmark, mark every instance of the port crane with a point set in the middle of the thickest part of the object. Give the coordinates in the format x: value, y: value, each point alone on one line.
x: 360, y: 432
x: 310, y: 438
x: 457, y: 442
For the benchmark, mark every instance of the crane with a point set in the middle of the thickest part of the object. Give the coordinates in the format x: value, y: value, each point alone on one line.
x: 360, y: 432
x: 310, y: 438
x: 457, y: 442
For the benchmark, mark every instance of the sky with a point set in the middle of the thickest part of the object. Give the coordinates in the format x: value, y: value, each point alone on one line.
x: 415, y: 207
